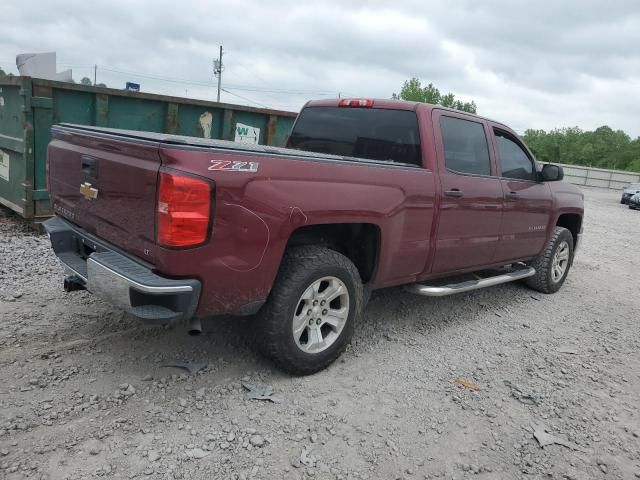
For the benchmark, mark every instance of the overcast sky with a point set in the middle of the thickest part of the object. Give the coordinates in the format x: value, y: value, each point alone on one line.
x: 529, y: 64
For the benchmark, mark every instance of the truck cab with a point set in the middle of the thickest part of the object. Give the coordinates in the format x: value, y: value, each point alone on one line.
x: 494, y: 203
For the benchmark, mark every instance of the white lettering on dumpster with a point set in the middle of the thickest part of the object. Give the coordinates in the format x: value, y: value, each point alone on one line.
x: 4, y: 165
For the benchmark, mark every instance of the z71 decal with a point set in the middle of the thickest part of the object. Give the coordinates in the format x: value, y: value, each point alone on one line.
x: 233, y: 166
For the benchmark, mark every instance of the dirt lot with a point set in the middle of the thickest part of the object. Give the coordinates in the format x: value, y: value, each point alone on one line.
x: 85, y: 391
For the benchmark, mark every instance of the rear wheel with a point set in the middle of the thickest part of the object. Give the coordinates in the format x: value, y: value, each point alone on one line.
x: 553, y: 265
x: 311, y: 312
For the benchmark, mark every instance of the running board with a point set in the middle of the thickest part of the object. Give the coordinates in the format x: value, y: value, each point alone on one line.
x: 467, y: 286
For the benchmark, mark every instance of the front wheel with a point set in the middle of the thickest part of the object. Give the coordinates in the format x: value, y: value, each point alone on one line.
x: 310, y: 315
x: 553, y: 265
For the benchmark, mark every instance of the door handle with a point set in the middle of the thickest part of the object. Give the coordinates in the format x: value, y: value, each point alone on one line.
x: 512, y: 195
x: 454, y: 192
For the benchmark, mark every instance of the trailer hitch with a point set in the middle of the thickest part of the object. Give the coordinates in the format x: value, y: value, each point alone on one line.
x: 73, y: 283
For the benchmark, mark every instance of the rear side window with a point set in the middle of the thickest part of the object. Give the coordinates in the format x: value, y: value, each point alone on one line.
x: 371, y: 133
x: 465, y: 146
x: 514, y: 161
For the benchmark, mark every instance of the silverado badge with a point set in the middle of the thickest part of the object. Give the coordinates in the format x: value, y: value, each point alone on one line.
x: 88, y: 191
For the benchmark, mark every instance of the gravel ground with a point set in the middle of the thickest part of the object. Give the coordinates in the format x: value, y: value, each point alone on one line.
x: 430, y: 388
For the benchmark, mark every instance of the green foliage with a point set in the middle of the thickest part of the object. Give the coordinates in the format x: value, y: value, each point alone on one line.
x: 603, y: 147
x: 413, y: 90
x: 2, y: 73
x: 86, y: 81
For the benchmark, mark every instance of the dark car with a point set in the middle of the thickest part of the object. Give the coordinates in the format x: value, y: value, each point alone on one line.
x: 629, y: 191
x: 634, y: 202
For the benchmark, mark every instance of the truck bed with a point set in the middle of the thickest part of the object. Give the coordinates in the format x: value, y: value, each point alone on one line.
x: 225, y: 145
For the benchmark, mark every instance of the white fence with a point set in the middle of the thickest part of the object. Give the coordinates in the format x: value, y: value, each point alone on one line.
x: 599, y: 177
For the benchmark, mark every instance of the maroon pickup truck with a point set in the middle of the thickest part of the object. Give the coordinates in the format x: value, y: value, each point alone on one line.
x: 368, y: 194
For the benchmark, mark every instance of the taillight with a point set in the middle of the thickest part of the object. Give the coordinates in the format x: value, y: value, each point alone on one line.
x: 183, y: 210
x: 356, y: 102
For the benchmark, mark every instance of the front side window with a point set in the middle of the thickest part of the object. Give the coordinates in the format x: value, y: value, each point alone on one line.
x: 369, y: 133
x: 514, y: 161
x: 465, y: 146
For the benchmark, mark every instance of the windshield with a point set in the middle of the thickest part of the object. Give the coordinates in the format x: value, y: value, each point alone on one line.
x: 371, y: 133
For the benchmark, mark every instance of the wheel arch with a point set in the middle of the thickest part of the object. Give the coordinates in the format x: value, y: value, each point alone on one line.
x: 359, y: 242
x: 573, y: 222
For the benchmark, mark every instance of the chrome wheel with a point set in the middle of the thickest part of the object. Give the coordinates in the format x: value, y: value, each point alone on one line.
x: 560, y: 262
x: 320, y: 315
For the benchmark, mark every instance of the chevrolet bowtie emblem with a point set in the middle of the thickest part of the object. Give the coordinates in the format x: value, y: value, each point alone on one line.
x: 88, y: 191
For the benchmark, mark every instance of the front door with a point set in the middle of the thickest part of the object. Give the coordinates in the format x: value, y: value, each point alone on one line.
x: 471, y: 196
x: 527, y: 200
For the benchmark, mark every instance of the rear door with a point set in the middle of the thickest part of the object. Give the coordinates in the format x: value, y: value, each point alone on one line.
x: 470, y: 196
x: 527, y: 201
x: 106, y: 184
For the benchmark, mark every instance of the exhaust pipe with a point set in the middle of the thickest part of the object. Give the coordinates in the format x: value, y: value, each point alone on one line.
x: 73, y: 283
x: 195, y: 327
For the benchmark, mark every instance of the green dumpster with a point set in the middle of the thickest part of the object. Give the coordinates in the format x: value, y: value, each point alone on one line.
x: 30, y: 106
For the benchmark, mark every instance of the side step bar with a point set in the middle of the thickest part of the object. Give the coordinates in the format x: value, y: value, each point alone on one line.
x: 467, y: 286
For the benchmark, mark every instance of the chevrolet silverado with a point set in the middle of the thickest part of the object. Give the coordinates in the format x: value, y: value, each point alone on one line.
x: 368, y: 194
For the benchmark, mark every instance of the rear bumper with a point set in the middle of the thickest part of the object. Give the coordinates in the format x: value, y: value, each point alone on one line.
x: 119, y: 279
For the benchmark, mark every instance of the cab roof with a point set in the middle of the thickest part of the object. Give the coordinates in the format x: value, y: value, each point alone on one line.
x: 400, y: 105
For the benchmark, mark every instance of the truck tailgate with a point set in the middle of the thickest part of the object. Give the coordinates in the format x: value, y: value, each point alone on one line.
x: 107, y: 185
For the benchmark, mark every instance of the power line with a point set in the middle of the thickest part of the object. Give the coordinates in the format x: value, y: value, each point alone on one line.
x: 244, y: 98
x: 206, y: 84
x: 274, y: 91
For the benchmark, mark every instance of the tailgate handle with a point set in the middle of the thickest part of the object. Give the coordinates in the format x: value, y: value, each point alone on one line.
x: 89, y: 165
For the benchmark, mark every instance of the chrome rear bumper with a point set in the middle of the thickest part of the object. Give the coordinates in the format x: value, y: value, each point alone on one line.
x: 119, y: 279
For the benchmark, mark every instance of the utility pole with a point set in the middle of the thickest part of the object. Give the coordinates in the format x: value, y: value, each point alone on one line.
x: 218, y: 67
x: 95, y: 75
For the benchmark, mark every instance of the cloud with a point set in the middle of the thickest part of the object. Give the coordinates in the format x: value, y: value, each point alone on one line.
x: 529, y: 65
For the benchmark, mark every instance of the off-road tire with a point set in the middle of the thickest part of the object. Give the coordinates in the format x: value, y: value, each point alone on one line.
x: 543, y: 281
x: 301, y: 267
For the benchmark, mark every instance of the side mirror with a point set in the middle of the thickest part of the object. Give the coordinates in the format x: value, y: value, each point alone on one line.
x: 552, y: 173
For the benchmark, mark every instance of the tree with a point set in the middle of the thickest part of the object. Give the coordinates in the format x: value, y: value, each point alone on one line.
x: 86, y: 81
x: 603, y: 147
x: 2, y: 73
x: 413, y: 90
